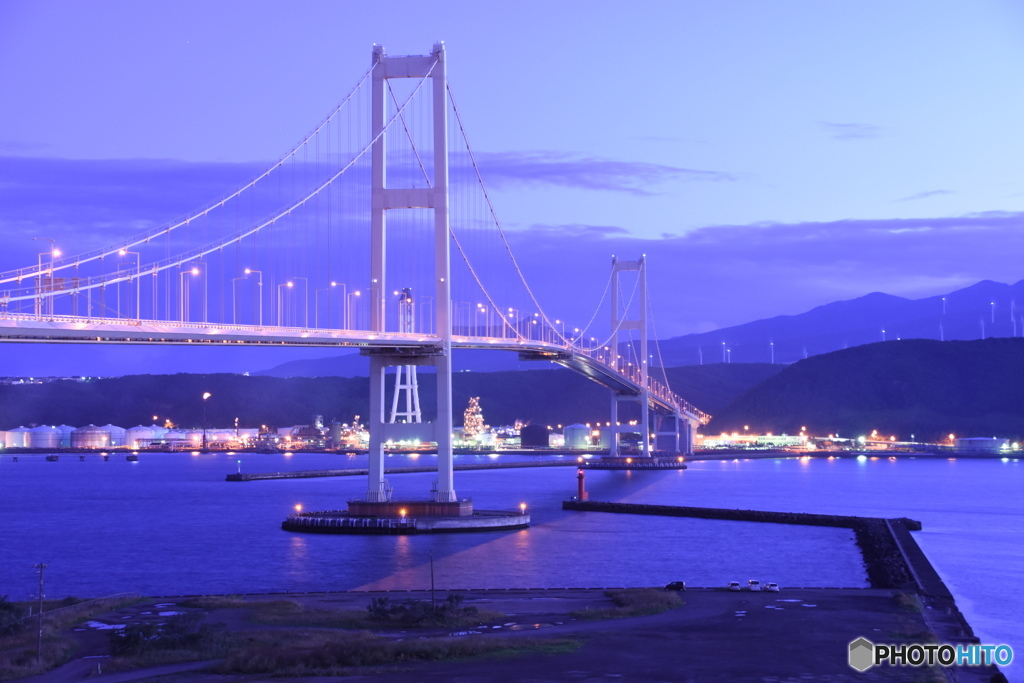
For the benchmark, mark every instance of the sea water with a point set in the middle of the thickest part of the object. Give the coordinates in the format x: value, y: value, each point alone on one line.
x: 170, y: 524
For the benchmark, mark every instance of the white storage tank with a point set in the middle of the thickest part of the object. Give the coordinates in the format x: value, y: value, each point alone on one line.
x: 117, y: 435
x: 141, y: 436
x: 18, y: 437
x: 65, y: 435
x: 90, y: 436
x: 44, y: 436
x: 577, y: 436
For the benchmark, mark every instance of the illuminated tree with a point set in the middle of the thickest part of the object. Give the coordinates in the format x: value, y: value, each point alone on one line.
x: 473, y: 419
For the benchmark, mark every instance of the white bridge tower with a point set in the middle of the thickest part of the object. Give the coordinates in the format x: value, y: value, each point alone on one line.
x: 385, y: 198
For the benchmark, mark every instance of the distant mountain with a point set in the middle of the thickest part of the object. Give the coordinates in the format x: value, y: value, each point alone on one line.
x: 963, y: 314
x: 539, y: 396
x: 924, y: 388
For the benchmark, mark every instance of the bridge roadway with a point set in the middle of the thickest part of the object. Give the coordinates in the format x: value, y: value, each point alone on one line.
x: 18, y: 327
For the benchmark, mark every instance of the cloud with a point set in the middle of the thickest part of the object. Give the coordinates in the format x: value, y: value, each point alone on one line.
x: 588, y: 173
x: 111, y: 196
x: 851, y: 131
x: 925, y: 195
x: 722, y: 275
x: 578, y: 230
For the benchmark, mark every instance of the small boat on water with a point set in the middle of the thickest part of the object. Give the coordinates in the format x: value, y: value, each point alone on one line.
x: 132, y: 458
x: 52, y: 458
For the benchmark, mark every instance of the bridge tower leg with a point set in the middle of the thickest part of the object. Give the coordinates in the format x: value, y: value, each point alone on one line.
x: 383, y: 199
x: 621, y: 325
x: 377, y: 490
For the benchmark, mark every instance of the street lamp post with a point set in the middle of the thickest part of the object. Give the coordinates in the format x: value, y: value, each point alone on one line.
x: 562, y: 323
x: 280, y: 302
x: 259, y: 290
x: 316, y: 304
x: 184, y: 292
x: 349, y: 317
x: 138, y: 273
x: 54, y: 252
x: 513, y: 315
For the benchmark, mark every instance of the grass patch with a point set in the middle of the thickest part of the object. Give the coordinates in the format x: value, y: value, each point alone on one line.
x: 380, y: 613
x: 325, y: 653
x: 18, y: 636
x: 633, y: 603
x: 182, y: 638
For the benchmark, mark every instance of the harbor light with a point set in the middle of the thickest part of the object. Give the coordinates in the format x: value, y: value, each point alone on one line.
x: 298, y: 508
x: 522, y: 508
x: 402, y: 513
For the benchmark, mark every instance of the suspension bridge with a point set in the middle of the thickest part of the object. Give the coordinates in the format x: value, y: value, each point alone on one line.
x: 375, y: 232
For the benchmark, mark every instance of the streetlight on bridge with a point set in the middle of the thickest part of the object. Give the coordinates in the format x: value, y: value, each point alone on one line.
x: 138, y: 268
x: 280, y: 302
x: 53, y: 253
x: 316, y: 303
x: 259, y: 290
x: 184, y: 292
x: 350, y: 319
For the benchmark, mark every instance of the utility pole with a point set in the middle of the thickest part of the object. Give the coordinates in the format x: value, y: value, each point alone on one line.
x: 39, y: 640
x: 433, y: 604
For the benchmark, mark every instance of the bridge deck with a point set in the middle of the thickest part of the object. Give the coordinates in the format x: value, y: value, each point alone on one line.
x: 69, y: 329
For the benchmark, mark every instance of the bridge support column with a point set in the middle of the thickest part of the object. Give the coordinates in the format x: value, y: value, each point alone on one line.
x: 377, y: 489
x: 443, y: 430
x: 613, y: 443
x: 687, y: 434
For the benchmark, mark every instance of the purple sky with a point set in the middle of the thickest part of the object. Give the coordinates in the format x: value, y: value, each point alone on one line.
x: 767, y: 157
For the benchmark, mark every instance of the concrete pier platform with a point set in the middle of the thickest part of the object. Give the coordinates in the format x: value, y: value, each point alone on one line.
x: 405, y: 517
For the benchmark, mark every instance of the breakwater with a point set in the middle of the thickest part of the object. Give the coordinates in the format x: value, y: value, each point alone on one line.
x: 353, y: 472
x: 892, y: 560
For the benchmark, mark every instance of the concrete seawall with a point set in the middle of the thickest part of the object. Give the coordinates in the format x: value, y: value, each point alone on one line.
x: 889, y: 565
x: 892, y: 557
x: 312, y: 474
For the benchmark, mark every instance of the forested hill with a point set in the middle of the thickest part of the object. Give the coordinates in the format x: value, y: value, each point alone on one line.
x: 540, y: 396
x: 926, y: 388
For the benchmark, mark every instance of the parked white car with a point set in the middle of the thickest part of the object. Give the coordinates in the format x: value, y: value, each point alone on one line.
x: 772, y: 587
x: 734, y: 585
x: 754, y: 585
